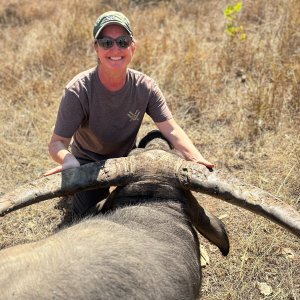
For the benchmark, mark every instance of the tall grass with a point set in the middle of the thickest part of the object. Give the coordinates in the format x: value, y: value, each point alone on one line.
x: 238, y: 100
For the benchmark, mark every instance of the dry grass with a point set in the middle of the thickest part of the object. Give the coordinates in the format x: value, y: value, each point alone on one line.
x: 238, y: 101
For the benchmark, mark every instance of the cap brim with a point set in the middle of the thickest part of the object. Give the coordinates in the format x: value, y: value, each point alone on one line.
x: 111, y: 23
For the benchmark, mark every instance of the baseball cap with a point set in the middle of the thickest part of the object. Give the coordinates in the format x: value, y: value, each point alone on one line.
x: 111, y: 17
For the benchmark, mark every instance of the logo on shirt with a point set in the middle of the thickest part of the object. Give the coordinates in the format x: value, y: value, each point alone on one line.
x: 134, y: 116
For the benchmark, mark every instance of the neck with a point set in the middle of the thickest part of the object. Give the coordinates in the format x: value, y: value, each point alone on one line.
x: 113, y: 81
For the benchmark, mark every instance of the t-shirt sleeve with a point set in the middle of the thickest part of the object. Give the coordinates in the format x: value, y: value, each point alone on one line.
x: 157, y: 108
x: 70, y: 114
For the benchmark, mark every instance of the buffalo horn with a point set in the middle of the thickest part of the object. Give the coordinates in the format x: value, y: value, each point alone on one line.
x: 223, y: 186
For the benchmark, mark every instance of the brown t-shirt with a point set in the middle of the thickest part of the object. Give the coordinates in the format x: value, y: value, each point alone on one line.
x: 105, y: 124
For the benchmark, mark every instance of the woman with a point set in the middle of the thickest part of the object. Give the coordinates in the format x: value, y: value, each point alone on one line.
x: 102, y: 109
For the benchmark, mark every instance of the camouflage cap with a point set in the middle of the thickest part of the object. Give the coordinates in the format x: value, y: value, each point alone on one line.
x: 111, y: 17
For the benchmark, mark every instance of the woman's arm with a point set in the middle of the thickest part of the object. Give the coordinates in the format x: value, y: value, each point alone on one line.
x: 179, y: 139
x: 58, y: 150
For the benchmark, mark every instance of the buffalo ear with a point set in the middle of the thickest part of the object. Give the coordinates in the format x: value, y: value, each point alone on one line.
x: 207, y: 224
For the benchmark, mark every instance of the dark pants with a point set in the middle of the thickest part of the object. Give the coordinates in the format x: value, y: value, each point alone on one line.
x: 85, y: 201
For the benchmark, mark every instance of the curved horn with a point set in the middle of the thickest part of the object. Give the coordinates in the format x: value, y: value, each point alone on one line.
x: 100, y: 174
x: 199, y: 179
x: 160, y: 164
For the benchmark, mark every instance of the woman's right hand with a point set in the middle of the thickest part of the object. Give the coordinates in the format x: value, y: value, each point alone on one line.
x: 58, y: 150
x: 69, y: 162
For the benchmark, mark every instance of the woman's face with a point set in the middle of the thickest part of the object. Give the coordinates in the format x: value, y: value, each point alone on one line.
x: 115, y: 58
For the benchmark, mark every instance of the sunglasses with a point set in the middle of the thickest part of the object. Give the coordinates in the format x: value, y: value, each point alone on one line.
x: 122, y: 42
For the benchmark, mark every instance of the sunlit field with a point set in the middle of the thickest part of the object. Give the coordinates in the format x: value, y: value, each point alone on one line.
x: 238, y: 98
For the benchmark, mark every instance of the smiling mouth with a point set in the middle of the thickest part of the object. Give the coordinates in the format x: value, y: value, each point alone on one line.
x: 115, y: 58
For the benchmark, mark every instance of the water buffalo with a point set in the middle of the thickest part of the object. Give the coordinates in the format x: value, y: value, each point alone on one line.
x: 143, y: 244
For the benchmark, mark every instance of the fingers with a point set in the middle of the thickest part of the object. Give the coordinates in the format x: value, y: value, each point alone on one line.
x: 53, y: 171
x: 206, y: 164
x: 209, y: 165
x: 70, y: 162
